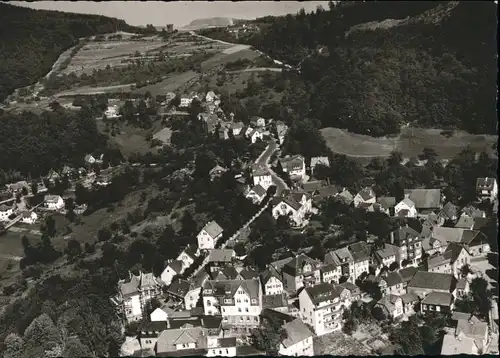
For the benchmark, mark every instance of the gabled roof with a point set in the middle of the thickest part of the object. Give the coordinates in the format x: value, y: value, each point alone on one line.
x: 403, y: 233
x: 294, y: 266
x: 346, y: 196
x: 433, y: 280
x: 388, y: 251
x: 479, y: 223
x: 359, y: 251
x: 292, y: 163
x: 470, y: 237
x: 338, y: 256
x: 367, y: 194
x: 312, y: 186
x: 449, y: 210
x: 485, y: 183
x: 453, y: 345
x: 320, y: 160
x: 389, y: 302
x: 465, y: 222
x: 408, y: 202
x: 259, y: 190
x: 424, y: 198
x: 407, y: 273
x: 323, y: 292
x: 213, y: 229
x: 289, y: 200
x: 387, y: 202
x: 393, y: 279
x: 227, y: 288
x: 176, y: 266
x: 473, y: 212
x: 438, y: 298
x: 472, y: 328
x: 268, y: 273
x: 248, y: 274
x: 296, y: 331
x: 447, y: 234
x: 170, y: 337
x: 216, y: 169
x: 409, y: 298
x: 260, y: 170
x: 190, y: 250
x: 274, y: 301
x: 227, y: 273
x: 221, y: 255
x: 179, y: 288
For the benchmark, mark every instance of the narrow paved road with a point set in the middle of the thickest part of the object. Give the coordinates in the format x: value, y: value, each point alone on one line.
x: 257, y: 69
x: 264, y: 160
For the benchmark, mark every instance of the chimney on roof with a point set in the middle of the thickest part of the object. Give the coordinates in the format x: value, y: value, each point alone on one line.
x: 168, y: 323
x: 392, y: 237
x: 202, y: 322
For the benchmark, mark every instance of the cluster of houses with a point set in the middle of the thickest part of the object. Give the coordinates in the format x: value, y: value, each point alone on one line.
x: 415, y: 271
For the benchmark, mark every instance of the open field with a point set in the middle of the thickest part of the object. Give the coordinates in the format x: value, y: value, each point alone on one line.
x: 410, y: 142
x: 222, y: 58
x: 170, y: 84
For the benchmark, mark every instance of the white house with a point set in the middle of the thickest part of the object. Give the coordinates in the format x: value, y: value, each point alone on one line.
x: 185, y: 102
x: 28, y: 217
x: 319, y: 161
x: 112, y: 112
x: 360, y: 254
x: 405, y: 208
x: 295, y: 206
x: 135, y: 293
x: 294, y: 166
x: 173, y: 268
x: 255, y: 135
x: 237, y: 127
x: 487, y: 188
x: 187, y: 257
x: 191, y: 297
x: 161, y: 314
x: 247, y: 132
x: 53, y: 202
x: 387, y: 255
x: 392, y: 305
x: 239, y: 302
x: 209, y: 235
x: 450, y: 261
x: 5, y: 212
x: 365, y: 196
x: 258, y: 122
x: 322, y: 306
x: 261, y: 176
x: 256, y: 194
x: 211, y: 96
x: 298, y: 341
x: 272, y: 282
x: 301, y: 271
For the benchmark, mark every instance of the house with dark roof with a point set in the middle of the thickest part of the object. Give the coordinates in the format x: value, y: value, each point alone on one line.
x: 272, y: 282
x: 277, y: 302
x: 487, y: 188
x: 294, y: 166
x: 322, y: 306
x: 410, y: 301
x: 465, y: 222
x: 331, y: 273
x: 188, y: 256
x: 392, y: 305
x: 342, y: 257
x: 295, y: 206
x: 423, y: 283
x: 301, y: 271
x: 471, y: 336
x: 426, y: 200
x: 298, y: 341
x: 386, y: 255
x: 261, y: 176
x: 472, y: 212
x: 437, y: 302
x: 449, y: 212
x: 361, y: 258
x: 216, y: 172
x: 405, y: 209
x: 324, y: 161
x: 450, y: 261
x: 386, y: 204
x: 392, y: 284
x: 209, y: 235
x: 256, y: 194
x: 239, y: 302
x: 133, y: 294
x: 365, y: 196
x: 218, y: 258
x: 409, y: 243
x: 229, y: 272
x: 173, y: 268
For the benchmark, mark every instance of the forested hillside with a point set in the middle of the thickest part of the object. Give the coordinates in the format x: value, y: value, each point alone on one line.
x: 431, y: 64
x: 32, y: 40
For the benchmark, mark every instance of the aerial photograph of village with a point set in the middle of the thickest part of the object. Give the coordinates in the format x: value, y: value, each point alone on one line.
x: 252, y: 178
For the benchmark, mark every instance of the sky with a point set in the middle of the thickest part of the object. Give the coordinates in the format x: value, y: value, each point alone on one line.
x: 179, y: 13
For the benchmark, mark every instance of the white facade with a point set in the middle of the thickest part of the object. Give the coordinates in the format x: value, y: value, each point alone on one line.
x: 167, y: 275
x: 358, y: 199
x: 54, y: 202
x: 112, y: 112
x: 31, y: 219
x: 185, y: 102
x: 326, y: 316
x: 273, y: 286
x: 186, y: 260
x: 205, y: 241
x: 158, y: 315
x: 412, y: 211
x: 255, y: 135
x: 221, y: 352
x: 265, y: 180
x: 297, y: 215
x: 133, y: 308
x: 490, y: 193
x: 5, y: 212
x: 191, y: 298
x: 360, y: 267
x: 303, y: 348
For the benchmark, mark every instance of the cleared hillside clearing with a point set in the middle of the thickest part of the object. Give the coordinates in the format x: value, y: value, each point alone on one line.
x: 410, y: 142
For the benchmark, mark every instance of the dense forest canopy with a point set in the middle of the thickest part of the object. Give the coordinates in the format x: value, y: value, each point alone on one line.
x: 33, y: 144
x: 385, y: 64
x: 32, y: 40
